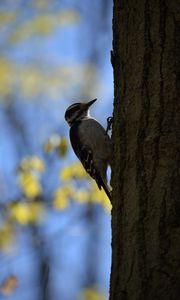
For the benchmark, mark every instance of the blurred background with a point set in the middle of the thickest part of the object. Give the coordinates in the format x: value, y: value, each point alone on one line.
x: 55, y: 235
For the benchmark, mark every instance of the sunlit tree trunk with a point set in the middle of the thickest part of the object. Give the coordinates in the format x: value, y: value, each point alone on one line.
x: 146, y: 135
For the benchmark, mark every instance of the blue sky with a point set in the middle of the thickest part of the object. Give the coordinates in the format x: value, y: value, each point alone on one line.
x: 76, y: 244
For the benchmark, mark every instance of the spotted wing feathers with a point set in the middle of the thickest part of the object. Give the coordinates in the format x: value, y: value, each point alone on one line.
x: 85, y: 155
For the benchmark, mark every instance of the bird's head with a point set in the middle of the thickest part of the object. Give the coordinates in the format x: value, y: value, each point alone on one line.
x: 77, y: 112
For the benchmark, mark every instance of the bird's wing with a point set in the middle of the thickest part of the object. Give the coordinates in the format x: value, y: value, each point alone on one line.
x: 85, y: 155
x: 83, y: 152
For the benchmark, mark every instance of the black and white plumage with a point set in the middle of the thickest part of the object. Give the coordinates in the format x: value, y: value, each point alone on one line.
x: 90, y: 142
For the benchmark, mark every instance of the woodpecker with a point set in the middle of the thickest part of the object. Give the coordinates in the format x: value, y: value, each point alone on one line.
x: 90, y: 142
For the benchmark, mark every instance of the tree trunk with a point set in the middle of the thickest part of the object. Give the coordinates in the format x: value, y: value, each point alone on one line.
x: 146, y: 135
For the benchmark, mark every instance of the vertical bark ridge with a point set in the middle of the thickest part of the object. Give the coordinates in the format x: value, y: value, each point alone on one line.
x: 146, y: 137
x: 141, y: 176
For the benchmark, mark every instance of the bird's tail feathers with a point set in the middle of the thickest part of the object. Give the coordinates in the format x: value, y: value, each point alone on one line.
x: 107, y: 190
x: 93, y: 172
x: 102, y: 184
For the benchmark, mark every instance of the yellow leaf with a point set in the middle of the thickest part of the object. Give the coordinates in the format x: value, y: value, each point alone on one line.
x: 56, y: 142
x: 81, y: 196
x: 31, y: 81
x: 9, y: 284
x: 36, y: 212
x: 107, y: 204
x: 20, y: 212
x: 41, y: 4
x: 48, y: 147
x: 39, y: 25
x: 66, y: 173
x: 92, y: 293
x: 61, y: 197
x: 37, y: 164
x: 6, y: 70
x: 78, y: 171
x: 68, y: 17
x: 25, y: 213
x: 63, y: 146
x: 44, y: 24
x: 32, y: 162
x: 99, y: 196
x: 6, y: 17
x: 30, y: 184
x: 6, y: 236
x: 75, y: 170
x: 52, y: 143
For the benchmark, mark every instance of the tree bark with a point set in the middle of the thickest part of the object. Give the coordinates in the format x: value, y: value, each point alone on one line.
x: 146, y: 135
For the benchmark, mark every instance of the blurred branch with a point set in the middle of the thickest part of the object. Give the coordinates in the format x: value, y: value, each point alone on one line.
x: 44, y: 268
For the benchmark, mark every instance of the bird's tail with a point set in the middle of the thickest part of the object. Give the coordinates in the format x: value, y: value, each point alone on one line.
x: 107, y: 190
x: 103, y: 184
x: 98, y: 177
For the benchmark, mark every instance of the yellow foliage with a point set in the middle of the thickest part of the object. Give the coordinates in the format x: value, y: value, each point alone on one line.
x: 68, y: 17
x: 48, y: 147
x: 41, y: 4
x: 30, y: 184
x: 6, y: 17
x: 63, y: 146
x: 31, y: 80
x: 66, y: 173
x: 75, y: 170
x: 32, y: 162
x: 5, y: 78
x: 39, y: 25
x: 6, y: 236
x: 28, y: 179
x: 52, y: 143
x: 81, y: 196
x: 92, y: 293
x: 44, y: 24
x: 106, y: 204
x: 56, y: 142
x: 91, y: 194
x: 9, y: 284
x: 25, y: 213
x: 61, y: 197
x: 99, y: 196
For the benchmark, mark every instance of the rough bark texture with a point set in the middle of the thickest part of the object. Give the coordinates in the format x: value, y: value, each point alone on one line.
x: 146, y: 136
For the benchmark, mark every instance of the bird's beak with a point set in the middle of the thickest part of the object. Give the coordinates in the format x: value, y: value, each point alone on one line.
x: 88, y: 104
